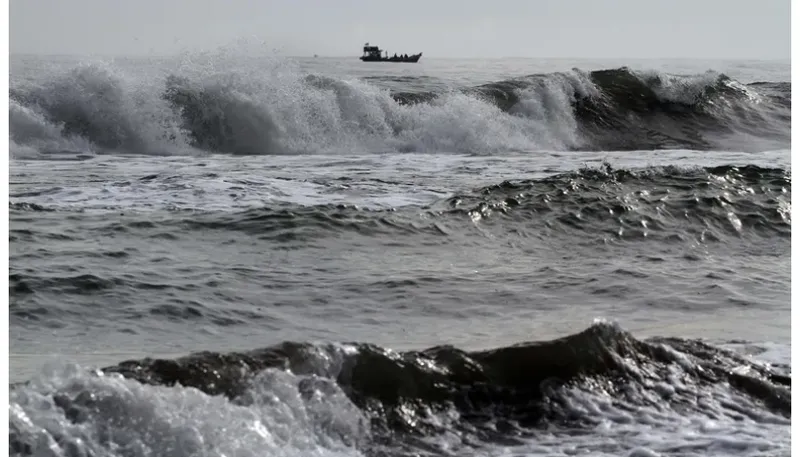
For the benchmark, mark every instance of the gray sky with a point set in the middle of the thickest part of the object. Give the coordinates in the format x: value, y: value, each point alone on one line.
x: 719, y: 29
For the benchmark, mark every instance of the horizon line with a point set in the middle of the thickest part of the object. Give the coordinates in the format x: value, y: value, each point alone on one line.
x: 428, y: 57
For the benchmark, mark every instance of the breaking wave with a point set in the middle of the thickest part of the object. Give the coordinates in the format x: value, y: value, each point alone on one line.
x: 362, y: 399
x: 95, y: 109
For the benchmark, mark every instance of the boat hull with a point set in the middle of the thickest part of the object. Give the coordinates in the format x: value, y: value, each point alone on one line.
x: 410, y: 59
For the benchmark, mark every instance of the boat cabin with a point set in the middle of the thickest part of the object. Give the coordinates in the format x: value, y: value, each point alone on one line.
x: 372, y: 52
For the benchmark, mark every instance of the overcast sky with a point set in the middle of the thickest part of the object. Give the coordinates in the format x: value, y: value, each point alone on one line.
x: 719, y: 29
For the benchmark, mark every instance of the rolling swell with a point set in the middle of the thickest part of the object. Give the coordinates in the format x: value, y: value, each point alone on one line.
x: 92, y: 109
x: 498, y: 395
x: 604, y: 204
x: 667, y: 204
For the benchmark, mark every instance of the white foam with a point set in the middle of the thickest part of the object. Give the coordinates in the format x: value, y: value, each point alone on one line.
x: 131, y: 419
x: 273, y: 109
x: 284, y: 414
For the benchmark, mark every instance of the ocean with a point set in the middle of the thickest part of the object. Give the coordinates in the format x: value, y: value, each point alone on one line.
x: 226, y: 254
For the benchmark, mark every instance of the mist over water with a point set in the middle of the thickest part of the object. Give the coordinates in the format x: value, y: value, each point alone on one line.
x: 221, y: 255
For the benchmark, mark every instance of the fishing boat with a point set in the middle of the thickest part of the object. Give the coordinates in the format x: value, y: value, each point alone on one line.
x: 375, y: 54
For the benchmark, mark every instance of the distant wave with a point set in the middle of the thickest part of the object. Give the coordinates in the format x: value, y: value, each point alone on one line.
x: 495, y: 395
x: 92, y: 110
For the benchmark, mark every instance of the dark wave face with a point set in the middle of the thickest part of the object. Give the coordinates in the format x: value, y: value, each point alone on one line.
x: 666, y: 204
x: 217, y: 121
x: 91, y: 109
x: 510, y: 396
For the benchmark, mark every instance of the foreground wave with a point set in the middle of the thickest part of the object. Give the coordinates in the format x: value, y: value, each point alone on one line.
x: 600, y: 390
x: 92, y: 109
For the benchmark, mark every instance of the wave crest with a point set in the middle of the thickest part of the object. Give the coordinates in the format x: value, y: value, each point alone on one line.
x: 363, y: 397
x: 525, y: 381
x: 92, y: 107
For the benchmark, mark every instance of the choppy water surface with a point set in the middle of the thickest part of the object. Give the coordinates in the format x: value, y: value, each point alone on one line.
x: 399, y: 261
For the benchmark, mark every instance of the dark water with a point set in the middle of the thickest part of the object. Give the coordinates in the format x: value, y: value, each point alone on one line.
x: 382, y: 266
